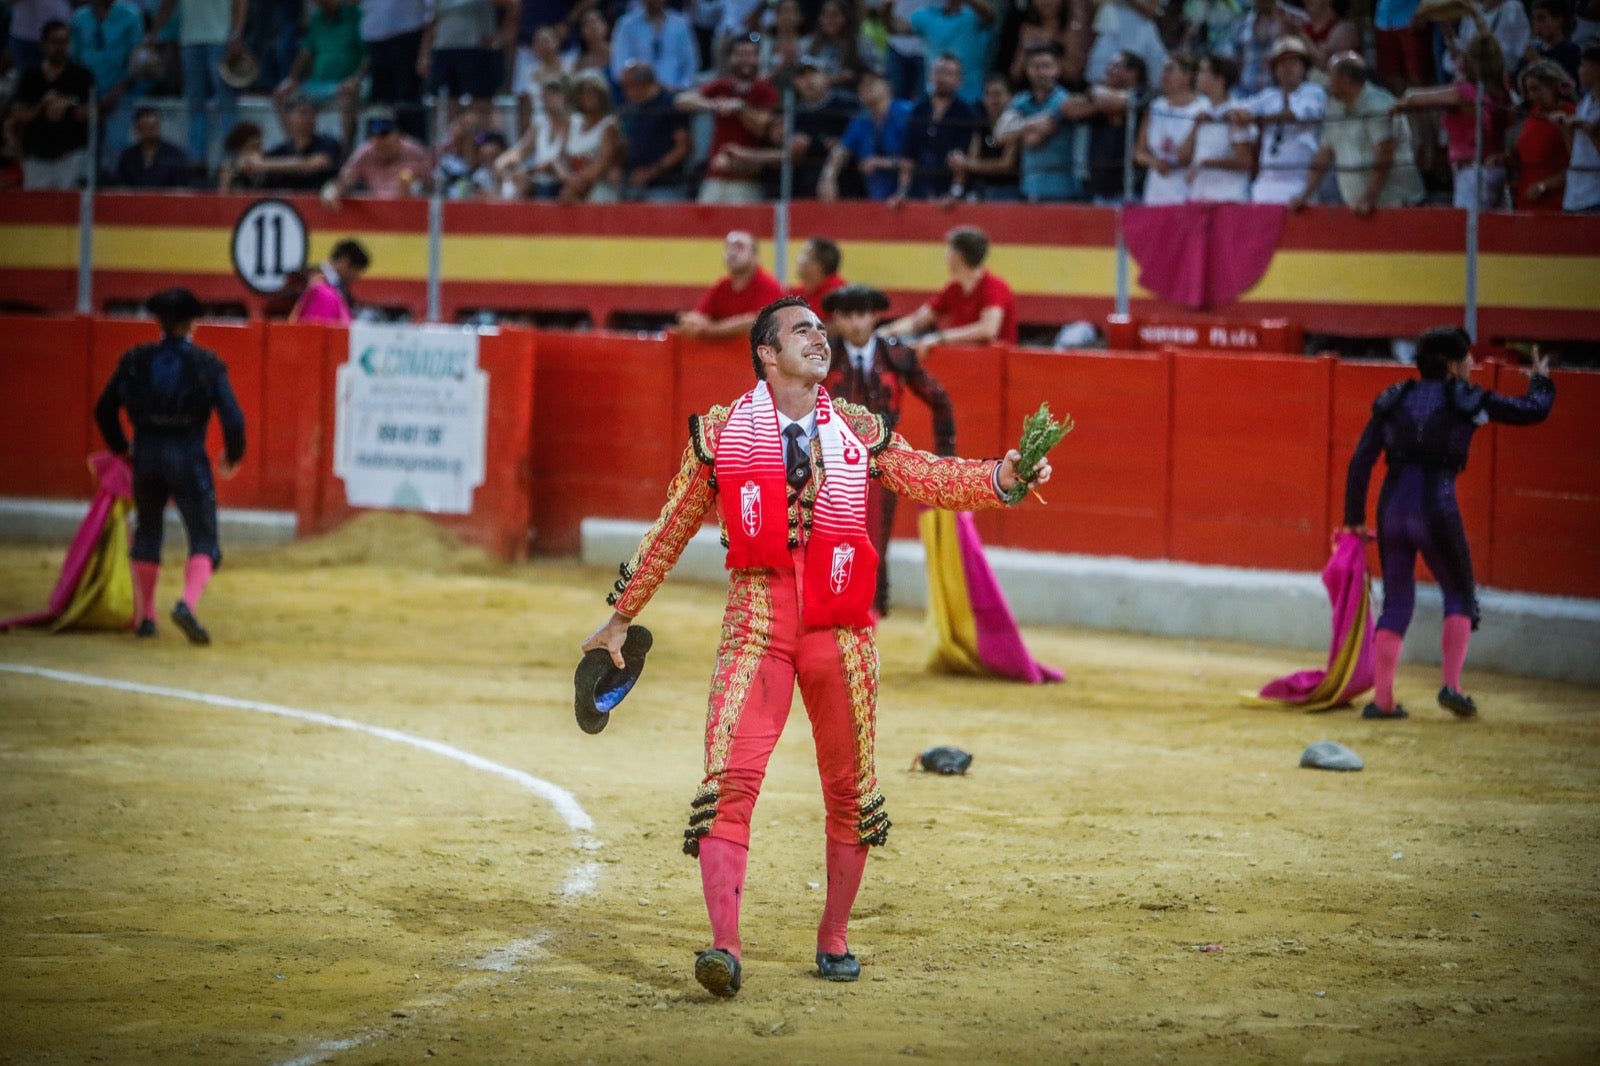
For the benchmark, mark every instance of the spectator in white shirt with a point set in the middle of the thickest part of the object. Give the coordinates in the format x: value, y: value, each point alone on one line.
x: 1290, y: 116
x: 1219, y: 154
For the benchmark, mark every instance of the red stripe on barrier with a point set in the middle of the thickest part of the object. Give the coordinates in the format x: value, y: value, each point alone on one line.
x: 1540, y: 234
x: 40, y: 208
x: 1411, y: 229
x: 1038, y: 224
x: 533, y: 220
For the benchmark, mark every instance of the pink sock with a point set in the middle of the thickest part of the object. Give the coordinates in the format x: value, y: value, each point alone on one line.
x: 846, y: 864
x: 144, y: 590
x: 196, y: 572
x: 722, y: 866
x: 1386, y: 656
x: 1453, y: 648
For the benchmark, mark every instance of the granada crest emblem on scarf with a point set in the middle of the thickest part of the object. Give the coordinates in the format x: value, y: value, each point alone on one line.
x: 844, y: 557
x: 750, y: 508
x: 852, y: 454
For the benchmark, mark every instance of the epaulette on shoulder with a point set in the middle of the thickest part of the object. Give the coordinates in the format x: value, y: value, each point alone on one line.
x: 704, y: 431
x: 1390, y: 398
x: 868, y: 425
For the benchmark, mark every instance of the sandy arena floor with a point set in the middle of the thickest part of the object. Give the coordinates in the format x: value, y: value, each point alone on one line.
x: 186, y: 881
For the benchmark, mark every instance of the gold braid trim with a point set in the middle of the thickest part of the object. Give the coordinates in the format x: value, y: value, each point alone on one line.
x: 869, y: 426
x: 858, y: 657
x: 948, y: 484
x: 746, y: 635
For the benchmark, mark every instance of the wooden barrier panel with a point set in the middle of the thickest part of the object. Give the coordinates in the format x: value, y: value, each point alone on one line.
x: 292, y: 357
x: 710, y: 374
x: 1545, y: 499
x: 1250, y: 460
x: 605, y: 437
x: 1108, y: 493
x: 46, y: 420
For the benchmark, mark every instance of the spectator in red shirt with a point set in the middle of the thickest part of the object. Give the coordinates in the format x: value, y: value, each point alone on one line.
x: 743, y: 105
x: 975, y: 308
x: 729, y: 308
x: 1540, y: 156
x: 816, y: 268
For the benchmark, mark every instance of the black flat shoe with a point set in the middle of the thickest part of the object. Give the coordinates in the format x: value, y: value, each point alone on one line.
x: 1372, y: 710
x: 717, y: 971
x: 146, y: 628
x: 1457, y: 703
x: 838, y: 967
x: 185, y: 620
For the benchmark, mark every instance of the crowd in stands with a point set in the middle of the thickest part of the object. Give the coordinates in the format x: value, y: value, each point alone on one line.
x: 1365, y: 103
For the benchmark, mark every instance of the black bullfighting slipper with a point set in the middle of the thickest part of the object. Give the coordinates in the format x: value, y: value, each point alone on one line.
x: 838, y: 967
x: 1457, y: 703
x: 1372, y: 710
x: 146, y: 628
x: 717, y: 971
x: 185, y: 620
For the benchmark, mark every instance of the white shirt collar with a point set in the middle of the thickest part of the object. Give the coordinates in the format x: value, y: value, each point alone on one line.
x: 862, y: 357
x: 808, y: 423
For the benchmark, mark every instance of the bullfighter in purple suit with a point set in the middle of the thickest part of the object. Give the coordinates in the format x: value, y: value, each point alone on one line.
x: 1424, y: 429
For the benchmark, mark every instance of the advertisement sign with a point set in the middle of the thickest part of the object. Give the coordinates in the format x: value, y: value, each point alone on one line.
x: 411, y: 418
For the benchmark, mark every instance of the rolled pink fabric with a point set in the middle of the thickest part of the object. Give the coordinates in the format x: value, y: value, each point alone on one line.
x: 1350, y: 669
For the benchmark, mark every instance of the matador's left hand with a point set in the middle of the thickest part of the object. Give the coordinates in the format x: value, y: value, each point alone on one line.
x: 1010, y: 476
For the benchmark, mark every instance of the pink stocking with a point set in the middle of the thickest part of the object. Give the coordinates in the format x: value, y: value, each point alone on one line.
x: 722, y: 866
x: 145, y: 576
x: 1453, y: 648
x: 1386, y: 646
x: 846, y: 864
x: 196, y: 572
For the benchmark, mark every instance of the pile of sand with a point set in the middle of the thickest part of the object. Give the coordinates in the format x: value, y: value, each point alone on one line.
x: 380, y: 538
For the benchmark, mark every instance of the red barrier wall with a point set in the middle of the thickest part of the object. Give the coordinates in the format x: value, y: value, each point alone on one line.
x: 1250, y: 460
x: 1544, y: 493
x: 606, y: 438
x: 1109, y: 487
x: 1228, y: 459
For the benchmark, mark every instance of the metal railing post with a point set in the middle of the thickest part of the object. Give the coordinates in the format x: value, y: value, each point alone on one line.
x: 86, y: 210
x: 436, y: 213
x: 1469, y: 310
x: 1129, y: 127
x: 780, y: 210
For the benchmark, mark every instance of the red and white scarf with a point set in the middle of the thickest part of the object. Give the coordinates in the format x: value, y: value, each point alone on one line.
x: 841, y: 571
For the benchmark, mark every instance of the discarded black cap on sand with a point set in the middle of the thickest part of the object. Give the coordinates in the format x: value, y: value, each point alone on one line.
x: 943, y: 760
x: 600, y: 686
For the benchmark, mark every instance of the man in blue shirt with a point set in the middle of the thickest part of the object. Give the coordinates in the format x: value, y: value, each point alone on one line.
x: 1035, y: 120
x: 662, y: 38
x: 962, y: 28
x: 875, y: 140
x: 104, y: 35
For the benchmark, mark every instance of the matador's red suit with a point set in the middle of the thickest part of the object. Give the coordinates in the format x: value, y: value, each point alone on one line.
x: 798, y: 599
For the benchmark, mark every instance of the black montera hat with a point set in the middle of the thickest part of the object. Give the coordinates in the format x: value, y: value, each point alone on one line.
x: 600, y: 686
x: 174, y: 305
x: 855, y: 297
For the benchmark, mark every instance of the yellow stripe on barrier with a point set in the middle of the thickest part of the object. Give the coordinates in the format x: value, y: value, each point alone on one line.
x: 39, y: 247
x: 1295, y: 276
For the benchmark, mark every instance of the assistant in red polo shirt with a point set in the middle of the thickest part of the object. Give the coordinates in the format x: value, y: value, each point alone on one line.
x: 977, y: 307
x: 730, y: 306
x: 816, y: 269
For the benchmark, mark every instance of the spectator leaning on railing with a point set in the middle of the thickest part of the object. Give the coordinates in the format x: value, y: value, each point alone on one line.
x: 1582, y: 130
x: 1106, y: 111
x: 743, y: 105
x: 988, y: 169
x: 388, y: 165
x: 1165, y: 129
x: 1481, y: 183
x: 976, y: 307
x: 1219, y: 154
x: 1540, y: 156
x: 1369, y: 147
x: 1037, y: 122
x: 730, y: 306
x: 1290, y: 117
x: 941, y: 123
x: 304, y: 159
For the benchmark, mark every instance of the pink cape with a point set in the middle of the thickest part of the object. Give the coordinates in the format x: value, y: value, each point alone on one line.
x: 972, y: 626
x: 1350, y: 662
x: 1202, y: 255
x: 115, y: 477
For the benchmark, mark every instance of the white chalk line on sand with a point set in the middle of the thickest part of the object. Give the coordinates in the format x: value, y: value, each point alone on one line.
x: 581, y: 879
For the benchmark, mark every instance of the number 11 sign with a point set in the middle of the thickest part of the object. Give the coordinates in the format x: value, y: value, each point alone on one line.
x: 269, y: 244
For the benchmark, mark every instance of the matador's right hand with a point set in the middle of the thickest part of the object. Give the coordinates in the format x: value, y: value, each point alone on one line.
x: 610, y: 637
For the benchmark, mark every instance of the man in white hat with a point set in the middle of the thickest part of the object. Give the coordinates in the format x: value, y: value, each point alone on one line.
x: 1290, y: 116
